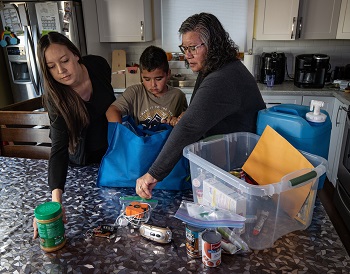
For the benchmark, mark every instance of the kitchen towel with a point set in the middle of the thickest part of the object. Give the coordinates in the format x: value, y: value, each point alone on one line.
x: 132, y: 150
x: 248, y: 61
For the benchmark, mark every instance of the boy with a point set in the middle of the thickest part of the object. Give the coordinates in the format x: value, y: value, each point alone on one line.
x: 152, y: 101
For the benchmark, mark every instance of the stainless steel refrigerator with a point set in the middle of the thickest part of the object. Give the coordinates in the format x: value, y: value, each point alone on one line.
x: 24, y: 22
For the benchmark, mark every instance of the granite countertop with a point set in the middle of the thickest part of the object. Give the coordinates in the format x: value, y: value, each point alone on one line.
x: 23, y: 182
x: 288, y: 88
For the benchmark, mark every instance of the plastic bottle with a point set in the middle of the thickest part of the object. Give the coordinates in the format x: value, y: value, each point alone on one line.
x: 50, y: 226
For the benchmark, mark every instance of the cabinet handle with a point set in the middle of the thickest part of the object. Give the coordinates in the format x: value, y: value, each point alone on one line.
x: 142, y: 26
x: 337, y: 123
x: 300, y: 26
x: 292, y: 34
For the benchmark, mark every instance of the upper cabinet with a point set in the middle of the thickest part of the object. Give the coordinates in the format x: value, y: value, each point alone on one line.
x: 344, y: 21
x: 294, y: 19
x: 124, y: 21
x: 318, y: 19
x: 275, y: 19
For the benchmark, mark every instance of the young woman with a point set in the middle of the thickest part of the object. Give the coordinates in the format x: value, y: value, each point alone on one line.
x: 225, y: 99
x: 77, y: 93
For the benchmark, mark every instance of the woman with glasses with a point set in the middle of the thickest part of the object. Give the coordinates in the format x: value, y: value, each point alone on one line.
x: 225, y: 98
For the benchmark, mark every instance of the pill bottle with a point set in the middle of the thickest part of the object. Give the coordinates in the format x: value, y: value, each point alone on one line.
x: 50, y: 226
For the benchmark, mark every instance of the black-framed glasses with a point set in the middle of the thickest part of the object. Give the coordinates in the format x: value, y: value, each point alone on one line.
x: 190, y: 49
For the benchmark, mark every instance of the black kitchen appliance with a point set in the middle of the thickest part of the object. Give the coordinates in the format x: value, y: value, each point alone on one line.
x: 310, y: 70
x: 272, y: 63
x: 341, y: 72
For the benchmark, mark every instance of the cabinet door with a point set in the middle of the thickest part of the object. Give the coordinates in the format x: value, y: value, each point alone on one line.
x: 338, y: 123
x: 318, y: 19
x: 275, y: 19
x: 273, y: 100
x: 328, y: 103
x: 124, y: 21
x: 344, y: 21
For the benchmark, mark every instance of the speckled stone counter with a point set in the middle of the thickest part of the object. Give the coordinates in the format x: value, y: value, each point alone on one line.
x: 23, y: 186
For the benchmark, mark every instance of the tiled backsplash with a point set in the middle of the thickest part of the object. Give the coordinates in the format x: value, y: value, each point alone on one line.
x: 338, y: 50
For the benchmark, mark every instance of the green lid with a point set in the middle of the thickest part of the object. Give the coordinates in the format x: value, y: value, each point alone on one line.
x: 47, y: 211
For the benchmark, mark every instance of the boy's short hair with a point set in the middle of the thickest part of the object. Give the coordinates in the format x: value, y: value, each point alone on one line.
x: 152, y: 58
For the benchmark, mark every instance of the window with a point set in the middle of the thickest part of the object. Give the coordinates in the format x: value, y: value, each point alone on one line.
x: 233, y: 14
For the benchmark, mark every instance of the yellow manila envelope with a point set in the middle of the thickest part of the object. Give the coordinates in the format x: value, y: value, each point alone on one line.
x: 272, y: 158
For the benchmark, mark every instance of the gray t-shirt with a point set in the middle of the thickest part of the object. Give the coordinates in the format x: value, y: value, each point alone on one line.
x: 147, y: 109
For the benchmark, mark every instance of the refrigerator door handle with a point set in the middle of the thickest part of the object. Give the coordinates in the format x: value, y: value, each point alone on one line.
x: 32, y: 67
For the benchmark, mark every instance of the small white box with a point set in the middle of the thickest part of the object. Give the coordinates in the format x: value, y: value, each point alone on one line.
x: 217, y: 194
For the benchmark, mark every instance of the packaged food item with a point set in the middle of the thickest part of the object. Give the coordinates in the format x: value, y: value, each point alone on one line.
x: 50, y: 226
x: 194, y: 241
x: 211, y: 250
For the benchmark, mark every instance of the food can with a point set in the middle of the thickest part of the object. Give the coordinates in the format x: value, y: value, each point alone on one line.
x: 194, y: 241
x: 211, y: 249
x: 50, y: 226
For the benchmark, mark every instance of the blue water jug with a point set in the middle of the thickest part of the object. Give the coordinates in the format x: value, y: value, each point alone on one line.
x: 289, y: 120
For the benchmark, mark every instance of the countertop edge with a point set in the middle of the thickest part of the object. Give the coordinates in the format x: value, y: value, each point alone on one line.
x: 287, y: 88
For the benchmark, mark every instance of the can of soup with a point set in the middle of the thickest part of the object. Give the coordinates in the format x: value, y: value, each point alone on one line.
x: 211, y: 249
x: 50, y: 226
x: 194, y: 241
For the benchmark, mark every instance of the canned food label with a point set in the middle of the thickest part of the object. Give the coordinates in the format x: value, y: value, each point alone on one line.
x: 211, y: 249
x: 51, y: 234
x: 194, y: 243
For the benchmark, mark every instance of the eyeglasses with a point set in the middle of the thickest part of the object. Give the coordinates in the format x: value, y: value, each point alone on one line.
x: 190, y: 49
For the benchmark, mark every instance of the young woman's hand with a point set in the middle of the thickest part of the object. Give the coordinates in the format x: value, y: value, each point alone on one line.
x: 35, y: 225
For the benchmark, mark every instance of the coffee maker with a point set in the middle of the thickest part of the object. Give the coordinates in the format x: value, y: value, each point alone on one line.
x: 310, y: 70
x: 272, y: 63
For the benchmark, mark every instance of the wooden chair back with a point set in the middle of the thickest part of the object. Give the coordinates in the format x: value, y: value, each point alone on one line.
x: 24, y: 130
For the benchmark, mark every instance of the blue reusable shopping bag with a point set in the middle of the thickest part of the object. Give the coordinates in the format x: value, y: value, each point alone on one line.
x: 132, y: 150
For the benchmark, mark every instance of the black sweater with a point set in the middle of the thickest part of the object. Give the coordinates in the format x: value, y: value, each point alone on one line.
x: 225, y: 101
x: 96, y: 135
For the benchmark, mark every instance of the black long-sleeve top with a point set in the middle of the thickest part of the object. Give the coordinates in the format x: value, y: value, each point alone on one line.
x: 225, y: 101
x: 96, y: 134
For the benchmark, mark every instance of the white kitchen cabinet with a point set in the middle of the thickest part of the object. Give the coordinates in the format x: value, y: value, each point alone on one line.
x: 338, y: 123
x: 344, y: 21
x: 318, y: 19
x: 275, y: 19
x: 273, y: 100
x: 294, y: 19
x: 124, y: 21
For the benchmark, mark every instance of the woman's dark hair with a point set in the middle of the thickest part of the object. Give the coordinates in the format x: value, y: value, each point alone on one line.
x: 59, y: 98
x: 152, y: 58
x: 221, y: 48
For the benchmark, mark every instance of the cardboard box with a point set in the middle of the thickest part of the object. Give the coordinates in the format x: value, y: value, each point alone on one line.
x: 118, y: 69
x: 122, y: 76
x: 218, y: 195
x: 133, y: 76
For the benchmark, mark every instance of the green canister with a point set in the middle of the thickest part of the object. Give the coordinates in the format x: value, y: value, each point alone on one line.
x: 50, y: 226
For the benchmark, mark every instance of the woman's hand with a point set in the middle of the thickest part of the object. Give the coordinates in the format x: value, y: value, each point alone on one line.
x: 56, y: 197
x: 144, y: 186
x: 172, y: 120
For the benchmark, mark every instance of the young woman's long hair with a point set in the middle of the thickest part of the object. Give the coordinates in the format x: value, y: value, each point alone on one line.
x: 221, y: 48
x: 62, y: 99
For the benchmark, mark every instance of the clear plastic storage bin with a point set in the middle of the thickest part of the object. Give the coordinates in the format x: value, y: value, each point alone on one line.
x: 211, y: 161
